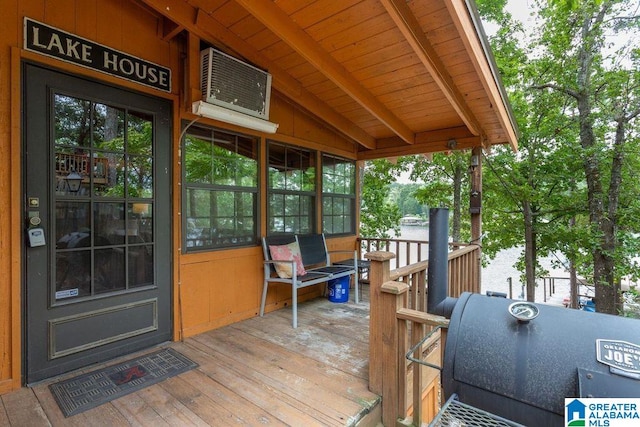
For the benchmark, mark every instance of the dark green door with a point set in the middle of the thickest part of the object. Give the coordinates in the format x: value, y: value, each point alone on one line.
x: 97, y: 177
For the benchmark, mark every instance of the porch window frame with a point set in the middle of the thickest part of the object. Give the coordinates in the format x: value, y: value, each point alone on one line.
x: 348, y: 197
x: 236, y: 190
x: 284, y: 193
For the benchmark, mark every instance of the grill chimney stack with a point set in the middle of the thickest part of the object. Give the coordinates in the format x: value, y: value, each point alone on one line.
x: 437, y: 273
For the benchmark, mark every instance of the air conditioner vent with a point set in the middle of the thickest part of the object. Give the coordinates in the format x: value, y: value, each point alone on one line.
x: 233, y: 84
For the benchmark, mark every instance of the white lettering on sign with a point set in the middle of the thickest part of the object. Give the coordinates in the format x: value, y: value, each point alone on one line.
x: 619, y: 354
x: 71, y: 48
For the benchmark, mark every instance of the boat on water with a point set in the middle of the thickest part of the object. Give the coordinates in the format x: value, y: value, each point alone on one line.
x: 413, y: 220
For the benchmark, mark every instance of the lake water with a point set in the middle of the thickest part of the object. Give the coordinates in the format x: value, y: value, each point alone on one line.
x: 495, y: 276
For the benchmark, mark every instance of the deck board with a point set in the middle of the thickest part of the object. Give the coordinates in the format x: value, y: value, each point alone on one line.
x: 257, y: 372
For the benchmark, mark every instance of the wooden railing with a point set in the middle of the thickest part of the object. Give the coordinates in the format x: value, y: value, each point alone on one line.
x: 410, y: 390
x: 83, y: 165
x: 407, y: 251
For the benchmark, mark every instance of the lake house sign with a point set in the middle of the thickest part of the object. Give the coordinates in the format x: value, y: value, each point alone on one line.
x: 59, y: 44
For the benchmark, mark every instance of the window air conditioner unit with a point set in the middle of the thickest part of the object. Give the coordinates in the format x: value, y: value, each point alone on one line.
x: 230, y: 83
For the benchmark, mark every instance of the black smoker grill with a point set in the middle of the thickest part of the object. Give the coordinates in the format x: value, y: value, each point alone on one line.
x: 522, y: 370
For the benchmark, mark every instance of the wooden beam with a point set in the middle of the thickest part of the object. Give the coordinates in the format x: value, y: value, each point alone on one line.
x: 431, y: 146
x: 204, y: 26
x: 170, y: 29
x: 281, y: 24
x: 450, y: 135
x: 410, y: 28
x: 469, y: 35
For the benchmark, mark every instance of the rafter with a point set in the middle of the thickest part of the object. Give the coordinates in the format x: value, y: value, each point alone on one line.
x: 281, y: 24
x: 410, y: 28
x: 479, y: 58
x: 207, y: 28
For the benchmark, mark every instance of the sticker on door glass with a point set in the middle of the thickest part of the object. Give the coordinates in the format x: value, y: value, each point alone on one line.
x: 67, y: 293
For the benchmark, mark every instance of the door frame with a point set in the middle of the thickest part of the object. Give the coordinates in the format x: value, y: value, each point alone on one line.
x: 22, y: 318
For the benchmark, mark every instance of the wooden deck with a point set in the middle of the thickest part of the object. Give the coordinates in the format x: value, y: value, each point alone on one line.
x: 256, y: 372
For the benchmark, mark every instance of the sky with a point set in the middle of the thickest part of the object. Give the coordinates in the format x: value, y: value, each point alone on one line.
x: 519, y: 9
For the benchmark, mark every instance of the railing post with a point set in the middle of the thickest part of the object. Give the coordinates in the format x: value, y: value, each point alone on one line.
x: 378, y: 274
x: 394, y: 375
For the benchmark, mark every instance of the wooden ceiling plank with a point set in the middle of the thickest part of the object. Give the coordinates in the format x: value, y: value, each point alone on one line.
x: 278, y: 22
x: 410, y: 27
x: 383, y: 54
x: 318, y: 11
x: 247, y: 27
x: 207, y: 28
x: 387, y: 82
x: 277, y: 51
x: 312, y: 79
x: 229, y: 14
x: 360, y: 47
x: 364, y: 30
x: 369, y: 18
x: 263, y: 39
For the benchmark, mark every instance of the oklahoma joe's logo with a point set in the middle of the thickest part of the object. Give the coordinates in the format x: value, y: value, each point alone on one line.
x: 619, y: 354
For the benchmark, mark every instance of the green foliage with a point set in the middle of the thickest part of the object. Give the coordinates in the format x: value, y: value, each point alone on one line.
x: 446, y: 181
x: 377, y: 215
x: 569, y: 81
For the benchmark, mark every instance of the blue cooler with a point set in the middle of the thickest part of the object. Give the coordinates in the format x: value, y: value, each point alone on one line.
x: 339, y: 289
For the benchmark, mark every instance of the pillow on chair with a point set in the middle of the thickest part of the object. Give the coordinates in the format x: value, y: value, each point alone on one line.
x: 290, y: 252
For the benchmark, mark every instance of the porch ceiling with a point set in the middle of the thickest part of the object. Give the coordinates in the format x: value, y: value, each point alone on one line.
x: 394, y: 76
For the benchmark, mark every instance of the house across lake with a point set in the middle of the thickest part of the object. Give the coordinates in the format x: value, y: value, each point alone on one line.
x: 413, y: 220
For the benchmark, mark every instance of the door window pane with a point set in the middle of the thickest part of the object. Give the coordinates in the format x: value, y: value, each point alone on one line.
x: 140, y: 266
x: 109, y: 270
x: 139, y: 133
x: 104, y: 237
x: 140, y: 223
x: 71, y: 217
x: 140, y: 176
x: 73, y: 273
x: 73, y: 121
x: 111, y: 183
x: 108, y: 132
x: 109, y: 223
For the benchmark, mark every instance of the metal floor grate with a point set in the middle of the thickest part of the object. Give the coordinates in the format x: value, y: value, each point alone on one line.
x: 457, y: 414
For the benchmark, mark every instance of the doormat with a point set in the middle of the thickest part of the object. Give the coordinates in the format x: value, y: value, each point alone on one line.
x: 92, y: 389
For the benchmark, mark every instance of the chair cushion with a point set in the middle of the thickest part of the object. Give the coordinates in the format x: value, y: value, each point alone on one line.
x: 290, y: 252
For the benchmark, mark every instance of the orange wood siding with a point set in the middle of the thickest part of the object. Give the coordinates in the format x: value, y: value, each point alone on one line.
x: 211, y: 289
x: 114, y: 23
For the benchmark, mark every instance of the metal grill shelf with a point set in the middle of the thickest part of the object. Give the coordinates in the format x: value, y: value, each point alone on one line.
x: 457, y: 414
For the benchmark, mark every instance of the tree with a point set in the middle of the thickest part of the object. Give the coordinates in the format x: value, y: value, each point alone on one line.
x: 445, y: 176
x: 377, y: 215
x: 604, y: 97
x: 577, y: 109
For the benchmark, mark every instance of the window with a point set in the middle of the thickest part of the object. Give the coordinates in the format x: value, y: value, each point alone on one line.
x: 291, y: 189
x: 338, y: 195
x: 221, y: 189
x: 104, y: 233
